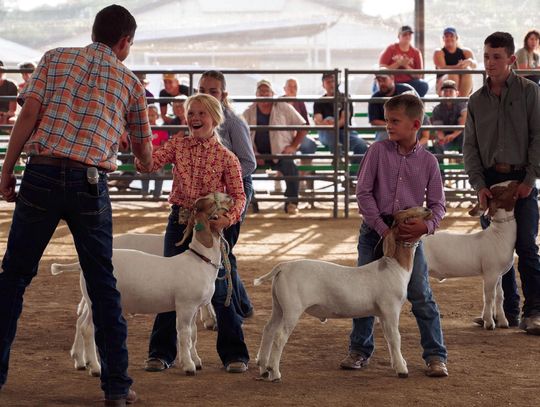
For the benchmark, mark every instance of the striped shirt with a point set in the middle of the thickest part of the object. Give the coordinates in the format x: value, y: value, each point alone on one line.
x: 89, y: 99
x: 389, y: 181
x: 201, y: 166
x: 234, y: 134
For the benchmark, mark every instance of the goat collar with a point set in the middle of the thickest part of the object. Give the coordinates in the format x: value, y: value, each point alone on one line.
x: 508, y: 219
x: 407, y: 244
x: 204, y: 258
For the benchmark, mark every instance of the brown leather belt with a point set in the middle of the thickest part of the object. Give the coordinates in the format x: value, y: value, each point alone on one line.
x: 504, y: 168
x: 56, y: 162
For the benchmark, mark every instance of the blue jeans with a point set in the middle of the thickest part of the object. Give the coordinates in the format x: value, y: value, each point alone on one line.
x: 243, y: 303
x: 288, y: 168
x: 419, y: 295
x: 356, y: 143
x: 47, y: 195
x: 308, y: 146
x: 230, y: 338
x: 526, y: 213
x: 420, y: 86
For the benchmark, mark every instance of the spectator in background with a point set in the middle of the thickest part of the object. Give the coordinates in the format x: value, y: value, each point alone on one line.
x: 402, y: 55
x: 528, y: 57
x: 179, y: 118
x: 159, y: 137
x: 25, y: 75
x: 387, y: 88
x: 277, y: 141
x: 145, y: 82
x: 234, y: 134
x: 449, y: 113
x: 291, y: 90
x: 451, y: 56
x: 323, y: 114
x: 172, y: 88
x: 7, y: 88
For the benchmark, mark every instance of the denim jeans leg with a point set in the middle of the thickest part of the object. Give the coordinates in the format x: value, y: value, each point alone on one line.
x: 34, y: 220
x: 527, y: 217
x: 328, y: 139
x: 425, y: 309
x: 89, y: 218
x: 308, y: 146
x: 163, y: 339
x: 361, y: 337
x: 289, y: 168
x: 509, y: 286
x: 420, y: 86
x: 230, y: 338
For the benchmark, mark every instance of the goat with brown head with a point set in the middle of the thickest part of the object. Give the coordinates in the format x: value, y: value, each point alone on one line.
x: 503, y: 198
x: 205, y: 209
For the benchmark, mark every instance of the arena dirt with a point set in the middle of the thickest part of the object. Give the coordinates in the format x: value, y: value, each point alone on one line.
x: 498, y: 368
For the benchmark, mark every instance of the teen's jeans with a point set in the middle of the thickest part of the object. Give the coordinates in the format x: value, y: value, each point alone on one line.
x: 47, y: 195
x: 526, y: 214
x: 230, y: 338
x: 419, y: 294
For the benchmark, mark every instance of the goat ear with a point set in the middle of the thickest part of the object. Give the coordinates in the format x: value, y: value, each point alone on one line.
x: 389, y: 243
x: 187, y: 230
x: 476, y: 210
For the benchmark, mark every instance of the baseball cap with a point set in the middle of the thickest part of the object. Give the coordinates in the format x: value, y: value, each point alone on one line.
x: 449, y: 84
x: 169, y: 76
x: 450, y: 30
x: 405, y: 29
x: 265, y: 82
x: 327, y: 75
x: 382, y: 74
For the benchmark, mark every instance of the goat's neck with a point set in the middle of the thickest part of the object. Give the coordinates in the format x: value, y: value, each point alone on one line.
x: 404, y: 255
x: 213, y: 253
x: 502, y: 217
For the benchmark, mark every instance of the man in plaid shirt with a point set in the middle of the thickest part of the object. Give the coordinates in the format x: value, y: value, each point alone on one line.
x: 78, y: 105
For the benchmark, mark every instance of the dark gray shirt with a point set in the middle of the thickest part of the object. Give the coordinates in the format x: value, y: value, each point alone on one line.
x: 503, y: 129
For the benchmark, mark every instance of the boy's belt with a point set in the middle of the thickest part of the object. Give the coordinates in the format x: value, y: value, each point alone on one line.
x: 504, y: 168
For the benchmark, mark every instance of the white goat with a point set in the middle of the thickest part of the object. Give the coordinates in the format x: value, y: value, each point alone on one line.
x: 489, y: 253
x: 153, y: 243
x: 151, y: 284
x: 326, y: 290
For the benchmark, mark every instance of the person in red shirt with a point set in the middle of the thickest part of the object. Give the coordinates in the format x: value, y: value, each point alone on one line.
x: 202, y: 165
x: 402, y: 55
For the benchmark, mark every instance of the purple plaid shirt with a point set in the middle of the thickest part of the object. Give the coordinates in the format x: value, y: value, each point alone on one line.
x: 389, y: 181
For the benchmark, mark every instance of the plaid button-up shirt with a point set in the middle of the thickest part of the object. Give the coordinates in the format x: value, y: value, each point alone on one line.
x: 89, y: 99
x: 202, y: 166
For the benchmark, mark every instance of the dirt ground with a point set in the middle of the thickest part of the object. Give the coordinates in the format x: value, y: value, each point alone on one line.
x: 497, y: 368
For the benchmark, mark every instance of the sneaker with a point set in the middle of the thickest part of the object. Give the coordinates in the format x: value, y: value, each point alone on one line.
x: 291, y: 208
x: 354, y: 361
x: 531, y: 325
x: 236, y: 367
x: 156, y: 365
x: 436, y: 368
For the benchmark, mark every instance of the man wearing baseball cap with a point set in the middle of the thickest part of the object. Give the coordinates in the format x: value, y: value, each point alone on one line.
x: 451, y: 56
x: 450, y: 113
x: 402, y: 55
x: 277, y: 141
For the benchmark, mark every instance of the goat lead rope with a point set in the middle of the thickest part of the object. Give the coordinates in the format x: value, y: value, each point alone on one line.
x: 224, y: 246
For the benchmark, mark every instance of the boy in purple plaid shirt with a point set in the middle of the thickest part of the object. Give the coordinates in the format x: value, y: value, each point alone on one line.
x: 397, y: 174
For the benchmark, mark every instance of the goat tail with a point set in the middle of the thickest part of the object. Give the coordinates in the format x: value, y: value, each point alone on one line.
x: 57, y: 268
x: 268, y: 276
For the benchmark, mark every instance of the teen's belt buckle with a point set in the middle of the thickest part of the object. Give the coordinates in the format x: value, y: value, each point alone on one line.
x: 183, y: 215
x: 503, y: 168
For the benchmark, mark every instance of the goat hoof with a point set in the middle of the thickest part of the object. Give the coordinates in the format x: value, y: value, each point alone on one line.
x: 79, y: 367
x: 190, y: 373
x: 403, y: 375
x: 276, y: 380
x: 94, y: 373
x: 198, y: 367
x: 265, y: 375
